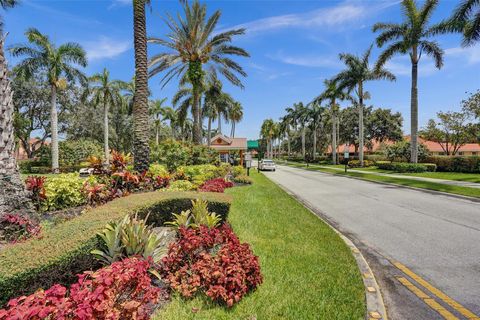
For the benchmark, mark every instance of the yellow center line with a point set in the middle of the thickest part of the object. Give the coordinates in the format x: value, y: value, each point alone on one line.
x: 452, y: 303
x: 426, y: 298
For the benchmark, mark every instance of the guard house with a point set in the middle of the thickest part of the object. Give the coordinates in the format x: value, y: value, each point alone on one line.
x: 227, y: 146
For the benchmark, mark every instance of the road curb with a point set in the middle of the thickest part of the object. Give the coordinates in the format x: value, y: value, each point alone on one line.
x: 375, y: 305
x: 453, y: 195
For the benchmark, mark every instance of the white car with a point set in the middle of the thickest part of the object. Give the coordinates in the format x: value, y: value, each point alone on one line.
x: 267, y: 164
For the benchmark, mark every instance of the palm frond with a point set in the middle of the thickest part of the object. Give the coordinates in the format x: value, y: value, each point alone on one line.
x: 432, y: 49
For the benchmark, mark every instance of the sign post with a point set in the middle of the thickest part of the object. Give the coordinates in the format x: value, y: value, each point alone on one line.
x: 346, y: 155
x: 248, y: 162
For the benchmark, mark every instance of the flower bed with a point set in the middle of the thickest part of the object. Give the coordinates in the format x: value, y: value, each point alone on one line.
x: 215, y: 185
x: 64, y: 251
x: 213, y: 262
x: 122, y: 290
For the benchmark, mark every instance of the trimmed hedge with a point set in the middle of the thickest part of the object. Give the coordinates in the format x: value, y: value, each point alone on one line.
x: 64, y: 251
x: 356, y: 163
x: 406, y: 167
x: 466, y: 164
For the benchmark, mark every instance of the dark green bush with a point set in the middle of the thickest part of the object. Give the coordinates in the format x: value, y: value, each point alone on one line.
x: 405, y: 166
x: 72, y: 152
x: 64, y: 250
x: 467, y: 164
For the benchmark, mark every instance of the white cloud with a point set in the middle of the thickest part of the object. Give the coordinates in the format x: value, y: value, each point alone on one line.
x: 470, y: 54
x: 346, y: 12
x: 307, y: 60
x: 106, y: 47
x: 402, y: 67
x: 459, y: 56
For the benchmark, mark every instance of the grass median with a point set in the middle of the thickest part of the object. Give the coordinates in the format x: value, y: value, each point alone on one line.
x: 464, y: 191
x: 309, y: 273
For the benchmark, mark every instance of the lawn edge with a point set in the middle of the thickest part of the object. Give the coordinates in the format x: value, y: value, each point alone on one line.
x: 374, y: 300
x: 454, y: 195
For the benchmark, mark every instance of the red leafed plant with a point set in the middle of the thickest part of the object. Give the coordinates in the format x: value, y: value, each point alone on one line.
x: 119, y: 161
x: 36, y: 185
x: 161, y: 182
x: 215, y: 185
x: 15, y: 227
x: 126, y: 181
x: 96, y: 193
x: 212, y: 261
x: 122, y: 290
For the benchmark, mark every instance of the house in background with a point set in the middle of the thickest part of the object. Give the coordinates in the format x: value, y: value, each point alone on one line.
x: 434, y: 148
x: 227, y: 146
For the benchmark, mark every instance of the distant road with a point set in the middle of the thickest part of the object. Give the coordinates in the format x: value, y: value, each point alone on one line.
x: 432, y: 236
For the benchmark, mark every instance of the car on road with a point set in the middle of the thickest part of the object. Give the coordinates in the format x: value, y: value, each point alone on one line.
x: 266, y: 164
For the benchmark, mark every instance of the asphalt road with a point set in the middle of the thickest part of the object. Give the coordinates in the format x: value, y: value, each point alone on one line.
x: 435, y: 236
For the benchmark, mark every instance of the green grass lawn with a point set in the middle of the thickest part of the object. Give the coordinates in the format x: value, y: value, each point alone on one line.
x: 465, y: 191
x: 309, y: 273
x: 456, y: 176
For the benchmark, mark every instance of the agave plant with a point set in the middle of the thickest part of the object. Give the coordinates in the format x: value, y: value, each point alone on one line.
x: 181, y: 219
x: 130, y: 237
x: 199, y: 214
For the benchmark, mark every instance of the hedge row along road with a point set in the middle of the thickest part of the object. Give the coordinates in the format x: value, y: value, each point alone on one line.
x: 423, y: 246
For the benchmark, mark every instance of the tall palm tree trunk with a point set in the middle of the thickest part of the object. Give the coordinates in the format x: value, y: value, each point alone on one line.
x: 414, y: 114
x: 361, y: 142
x: 209, y: 131
x: 105, y: 134
x: 288, y: 145
x: 197, y: 121
x: 219, y: 126
x: 141, y: 149
x: 303, y: 142
x: 314, y: 141
x: 13, y: 197
x: 334, y: 134
x: 54, y: 129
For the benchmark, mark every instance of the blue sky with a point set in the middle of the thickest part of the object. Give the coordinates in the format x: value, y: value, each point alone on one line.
x: 294, y: 46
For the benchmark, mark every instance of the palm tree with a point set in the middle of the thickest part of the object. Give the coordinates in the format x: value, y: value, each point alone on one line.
x: 218, y: 100
x: 105, y: 92
x: 302, y: 116
x: 157, y: 111
x: 315, y: 114
x: 267, y: 132
x: 333, y: 93
x: 286, y: 124
x: 411, y: 37
x: 235, y: 115
x: 13, y: 197
x: 170, y: 115
x: 465, y: 20
x: 193, y: 43
x: 141, y: 148
x: 358, y: 72
x: 59, y: 65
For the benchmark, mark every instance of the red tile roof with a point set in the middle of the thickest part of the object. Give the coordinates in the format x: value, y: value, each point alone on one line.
x: 228, y: 143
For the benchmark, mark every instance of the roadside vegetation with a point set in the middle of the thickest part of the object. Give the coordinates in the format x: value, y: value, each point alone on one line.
x: 308, y: 271
x: 464, y: 191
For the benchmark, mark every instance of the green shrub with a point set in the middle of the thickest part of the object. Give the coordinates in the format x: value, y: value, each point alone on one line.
x: 356, y: 163
x: 238, y: 171
x: 401, y: 151
x: 466, y: 164
x: 375, y: 157
x: 406, y: 167
x: 158, y: 170
x: 72, y: 152
x: 198, y: 174
x: 63, y: 191
x: 243, y: 179
x: 174, y: 154
x: 181, y: 185
x: 64, y: 251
